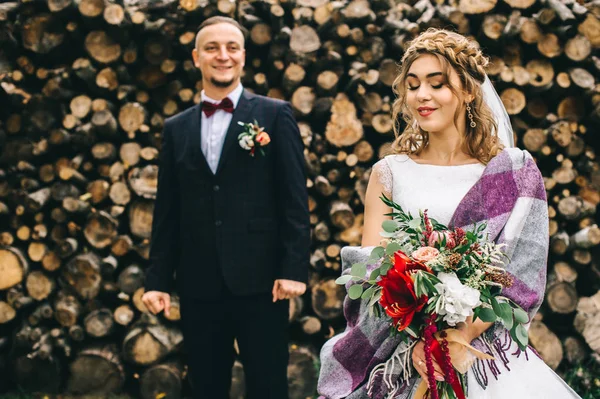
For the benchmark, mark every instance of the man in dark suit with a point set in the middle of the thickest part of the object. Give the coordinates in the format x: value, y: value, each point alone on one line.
x: 231, y: 222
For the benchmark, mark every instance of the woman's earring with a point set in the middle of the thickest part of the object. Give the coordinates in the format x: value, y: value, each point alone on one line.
x: 470, y: 115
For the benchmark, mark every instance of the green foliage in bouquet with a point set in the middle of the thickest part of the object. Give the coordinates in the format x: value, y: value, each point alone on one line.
x: 445, y: 267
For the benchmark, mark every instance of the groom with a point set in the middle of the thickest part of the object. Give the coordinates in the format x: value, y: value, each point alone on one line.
x: 231, y: 221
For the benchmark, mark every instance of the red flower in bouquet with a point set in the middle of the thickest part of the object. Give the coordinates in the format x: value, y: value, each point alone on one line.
x: 404, y: 264
x: 398, y: 297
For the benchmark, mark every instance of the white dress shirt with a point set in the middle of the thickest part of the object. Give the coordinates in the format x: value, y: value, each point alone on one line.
x: 214, y: 128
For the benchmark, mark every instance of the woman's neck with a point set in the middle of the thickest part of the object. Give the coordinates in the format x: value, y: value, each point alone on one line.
x: 445, y: 151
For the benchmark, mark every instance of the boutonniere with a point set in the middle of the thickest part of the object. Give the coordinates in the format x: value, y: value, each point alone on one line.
x: 253, y: 138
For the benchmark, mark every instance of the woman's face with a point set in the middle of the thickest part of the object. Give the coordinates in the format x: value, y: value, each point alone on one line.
x: 430, y: 100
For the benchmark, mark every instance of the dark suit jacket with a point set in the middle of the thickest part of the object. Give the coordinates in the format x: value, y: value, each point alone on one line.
x: 244, y: 226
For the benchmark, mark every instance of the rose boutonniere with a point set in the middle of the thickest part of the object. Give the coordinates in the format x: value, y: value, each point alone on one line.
x: 253, y: 138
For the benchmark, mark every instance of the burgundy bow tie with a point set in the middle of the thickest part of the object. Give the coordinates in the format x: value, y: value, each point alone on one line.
x: 210, y: 108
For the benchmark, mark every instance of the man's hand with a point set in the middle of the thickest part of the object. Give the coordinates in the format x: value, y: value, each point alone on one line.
x: 157, y: 301
x: 287, y: 289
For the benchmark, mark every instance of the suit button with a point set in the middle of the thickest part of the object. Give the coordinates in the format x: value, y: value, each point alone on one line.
x: 216, y: 188
x: 218, y: 223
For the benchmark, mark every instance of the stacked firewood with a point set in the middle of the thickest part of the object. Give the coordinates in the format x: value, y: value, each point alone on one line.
x: 87, y: 84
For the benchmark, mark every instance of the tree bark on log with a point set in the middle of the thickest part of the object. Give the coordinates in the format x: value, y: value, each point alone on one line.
x: 344, y: 129
x: 162, y: 379
x: 327, y: 299
x: 96, y: 371
x: 82, y: 273
x: 149, y: 342
x: 587, y: 320
x: 546, y: 343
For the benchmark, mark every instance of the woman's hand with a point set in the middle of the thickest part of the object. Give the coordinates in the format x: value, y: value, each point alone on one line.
x: 465, y: 328
x: 472, y: 329
x: 418, y: 358
x: 469, y: 329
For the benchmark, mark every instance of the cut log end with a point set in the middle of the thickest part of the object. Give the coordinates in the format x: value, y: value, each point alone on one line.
x: 327, y: 299
x: 13, y: 267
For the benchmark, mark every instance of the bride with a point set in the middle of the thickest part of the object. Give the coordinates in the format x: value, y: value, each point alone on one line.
x: 455, y: 160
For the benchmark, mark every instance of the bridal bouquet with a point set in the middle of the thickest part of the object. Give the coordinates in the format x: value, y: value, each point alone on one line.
x: 427, y: 279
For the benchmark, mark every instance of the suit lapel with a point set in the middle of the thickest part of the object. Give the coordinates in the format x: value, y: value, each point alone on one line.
x: 242, y: 113
x: 195, y: 132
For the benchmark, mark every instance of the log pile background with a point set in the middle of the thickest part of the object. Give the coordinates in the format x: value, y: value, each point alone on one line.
x: 86, y: 86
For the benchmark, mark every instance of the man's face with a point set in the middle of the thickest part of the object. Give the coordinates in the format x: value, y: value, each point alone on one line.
x: 220, y: 55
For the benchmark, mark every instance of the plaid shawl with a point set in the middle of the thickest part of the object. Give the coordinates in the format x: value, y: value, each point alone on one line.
x: 510, y: 196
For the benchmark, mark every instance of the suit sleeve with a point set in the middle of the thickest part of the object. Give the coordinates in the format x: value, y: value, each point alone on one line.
x: 165, y: 222
x: 292, y: 198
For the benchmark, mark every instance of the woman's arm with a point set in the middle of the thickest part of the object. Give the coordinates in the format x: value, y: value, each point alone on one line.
x: 375, y: 209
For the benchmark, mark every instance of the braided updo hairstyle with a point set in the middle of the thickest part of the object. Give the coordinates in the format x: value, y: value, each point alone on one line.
x: 456, y: 52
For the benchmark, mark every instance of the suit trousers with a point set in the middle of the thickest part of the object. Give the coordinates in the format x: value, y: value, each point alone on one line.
x: 261, y: 328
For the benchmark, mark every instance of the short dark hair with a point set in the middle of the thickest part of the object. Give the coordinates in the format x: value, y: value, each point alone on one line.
x: 221, y: 20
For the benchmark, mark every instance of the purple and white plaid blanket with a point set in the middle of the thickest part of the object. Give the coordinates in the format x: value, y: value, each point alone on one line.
x: 510, y: 196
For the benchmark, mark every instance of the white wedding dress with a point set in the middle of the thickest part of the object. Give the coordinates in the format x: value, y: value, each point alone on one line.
x: 440, y: 189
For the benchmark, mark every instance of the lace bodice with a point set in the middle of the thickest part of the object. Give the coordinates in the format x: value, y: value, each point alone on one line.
x: 414, y: 186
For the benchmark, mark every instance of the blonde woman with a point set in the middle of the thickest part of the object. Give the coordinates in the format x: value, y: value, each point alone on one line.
x: 454, y: 159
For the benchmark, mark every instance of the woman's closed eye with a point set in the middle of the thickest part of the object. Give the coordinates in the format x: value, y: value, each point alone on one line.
x: 432, y: 86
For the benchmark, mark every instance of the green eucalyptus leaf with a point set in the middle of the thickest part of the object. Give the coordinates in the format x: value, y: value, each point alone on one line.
x: 359, y: 270
x: 392, y: 248
x: 488, y: 315
x: 415, y: 224
x: 513, y: 334
x: 476, y: 313
x: 385, y: 234
x: 521, y: 316
x: 368, y: 292
x: 385, y: 267
x: 508, y: 322
x: 375, y: 274
x: 342, y: 280
x: 484, y: 296
x: 355, y: 291
x: 521, y: 334
x: 390, y: 226
x: 506, y: 311
x: 377, y: 253
x: 496, y: 306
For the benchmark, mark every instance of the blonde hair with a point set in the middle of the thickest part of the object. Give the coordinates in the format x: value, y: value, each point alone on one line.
x: 465, y: 58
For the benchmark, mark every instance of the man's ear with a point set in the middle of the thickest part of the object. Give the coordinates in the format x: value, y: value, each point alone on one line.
x: 195, y: 56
